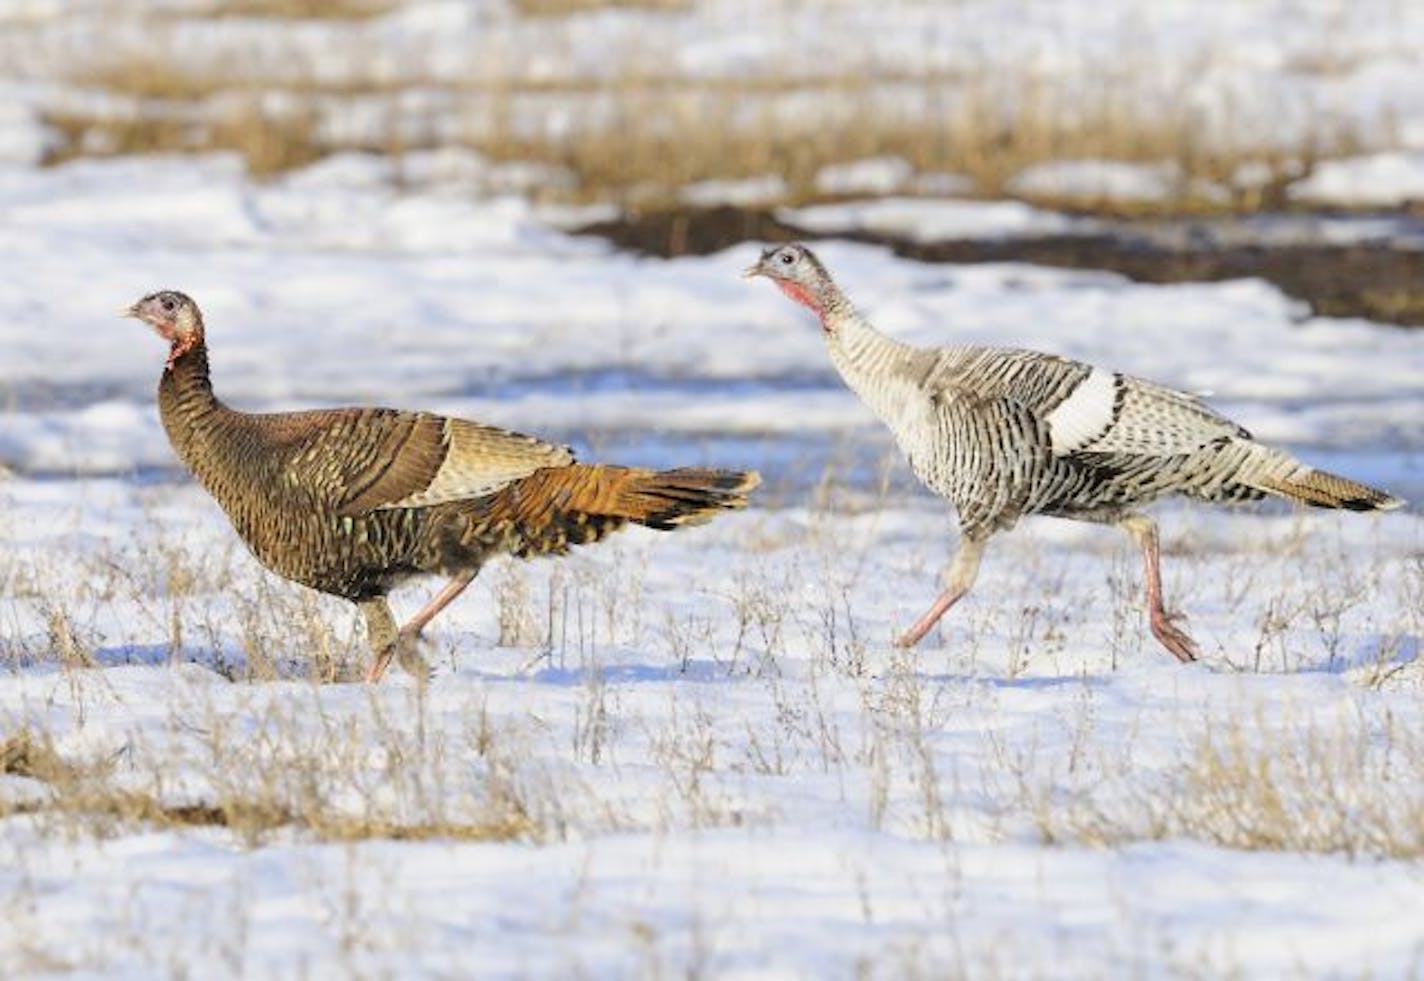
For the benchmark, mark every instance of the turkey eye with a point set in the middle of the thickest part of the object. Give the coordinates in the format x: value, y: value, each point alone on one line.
x: 168, y: 305
x: 787, y: 258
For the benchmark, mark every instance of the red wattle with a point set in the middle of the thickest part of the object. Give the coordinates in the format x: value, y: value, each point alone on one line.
x: 800, y: 294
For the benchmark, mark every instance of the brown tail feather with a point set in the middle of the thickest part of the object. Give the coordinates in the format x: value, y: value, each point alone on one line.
x: 1322, y: 489
x: 557, y: 507
x: 669, y: 499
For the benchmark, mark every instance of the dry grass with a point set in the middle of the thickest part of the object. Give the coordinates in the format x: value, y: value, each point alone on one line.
x: 1252, y: 785
x: 300, y: 9
x: 643, y: 135
x: 702, y: 139
x: 255, y: 795
x: 805, y: 691
x: 565, y: 8
x: 271, y: 141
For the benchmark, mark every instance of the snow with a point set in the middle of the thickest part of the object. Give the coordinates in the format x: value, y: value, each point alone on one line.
x: 873, y: 176
x: 931, y: 219
x: 23, y: 138
x: 789, y: 804
x: 1257, y: 77
x: 934, y: 219
x: 698, y: 753
x: 1095, y: 180
x: 1379, y: 180
x: 731, y: 905
x: 326, y: 287
x: 749, y: 192
x: 706, y: 756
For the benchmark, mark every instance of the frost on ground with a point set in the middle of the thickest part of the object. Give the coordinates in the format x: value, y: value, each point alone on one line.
x: 693, y: 752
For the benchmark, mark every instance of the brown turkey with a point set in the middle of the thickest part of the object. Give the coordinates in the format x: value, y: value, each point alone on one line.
x: 353, y: 501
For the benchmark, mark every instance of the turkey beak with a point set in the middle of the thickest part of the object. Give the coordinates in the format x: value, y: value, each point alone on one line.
x: 130, y: 311
x: 753, y: 271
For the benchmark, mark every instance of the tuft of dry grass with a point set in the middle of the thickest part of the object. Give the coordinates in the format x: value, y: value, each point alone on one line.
x: 1351, y: 790
x: 252, y: 798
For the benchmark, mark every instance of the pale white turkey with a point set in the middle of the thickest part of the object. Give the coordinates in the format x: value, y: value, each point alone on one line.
x: 1002, y: 433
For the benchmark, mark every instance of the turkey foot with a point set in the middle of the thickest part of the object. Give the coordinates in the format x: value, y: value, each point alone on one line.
x: 405, y: 650
x: 1170, y: 636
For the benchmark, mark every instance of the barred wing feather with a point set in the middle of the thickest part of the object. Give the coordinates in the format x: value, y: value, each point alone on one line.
x: 363, y: 460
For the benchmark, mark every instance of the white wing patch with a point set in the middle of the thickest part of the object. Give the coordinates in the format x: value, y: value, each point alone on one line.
x: 1086, y: 414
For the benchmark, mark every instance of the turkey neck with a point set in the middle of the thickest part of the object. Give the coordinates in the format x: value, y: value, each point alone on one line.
x: 198, y: 425
x: 873, y: 365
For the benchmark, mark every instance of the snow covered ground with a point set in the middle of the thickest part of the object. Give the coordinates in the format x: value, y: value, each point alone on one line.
x: 330, y: 285
x: 688, y: 753
x: 1129, y: 89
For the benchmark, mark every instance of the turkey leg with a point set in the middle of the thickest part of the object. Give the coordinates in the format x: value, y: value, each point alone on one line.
x: 387, y: 642
x: 962, y: 572
x: 1144, y: 531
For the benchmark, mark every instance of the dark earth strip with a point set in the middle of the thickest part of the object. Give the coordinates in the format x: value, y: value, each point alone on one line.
x: 1373, y: 280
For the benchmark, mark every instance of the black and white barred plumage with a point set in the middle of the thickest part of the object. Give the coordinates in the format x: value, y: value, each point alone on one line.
x: 1002, y: 433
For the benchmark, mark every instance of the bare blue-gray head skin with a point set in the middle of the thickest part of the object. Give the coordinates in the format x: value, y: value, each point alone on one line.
x: 799, y: 274
x: 174, y: 316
